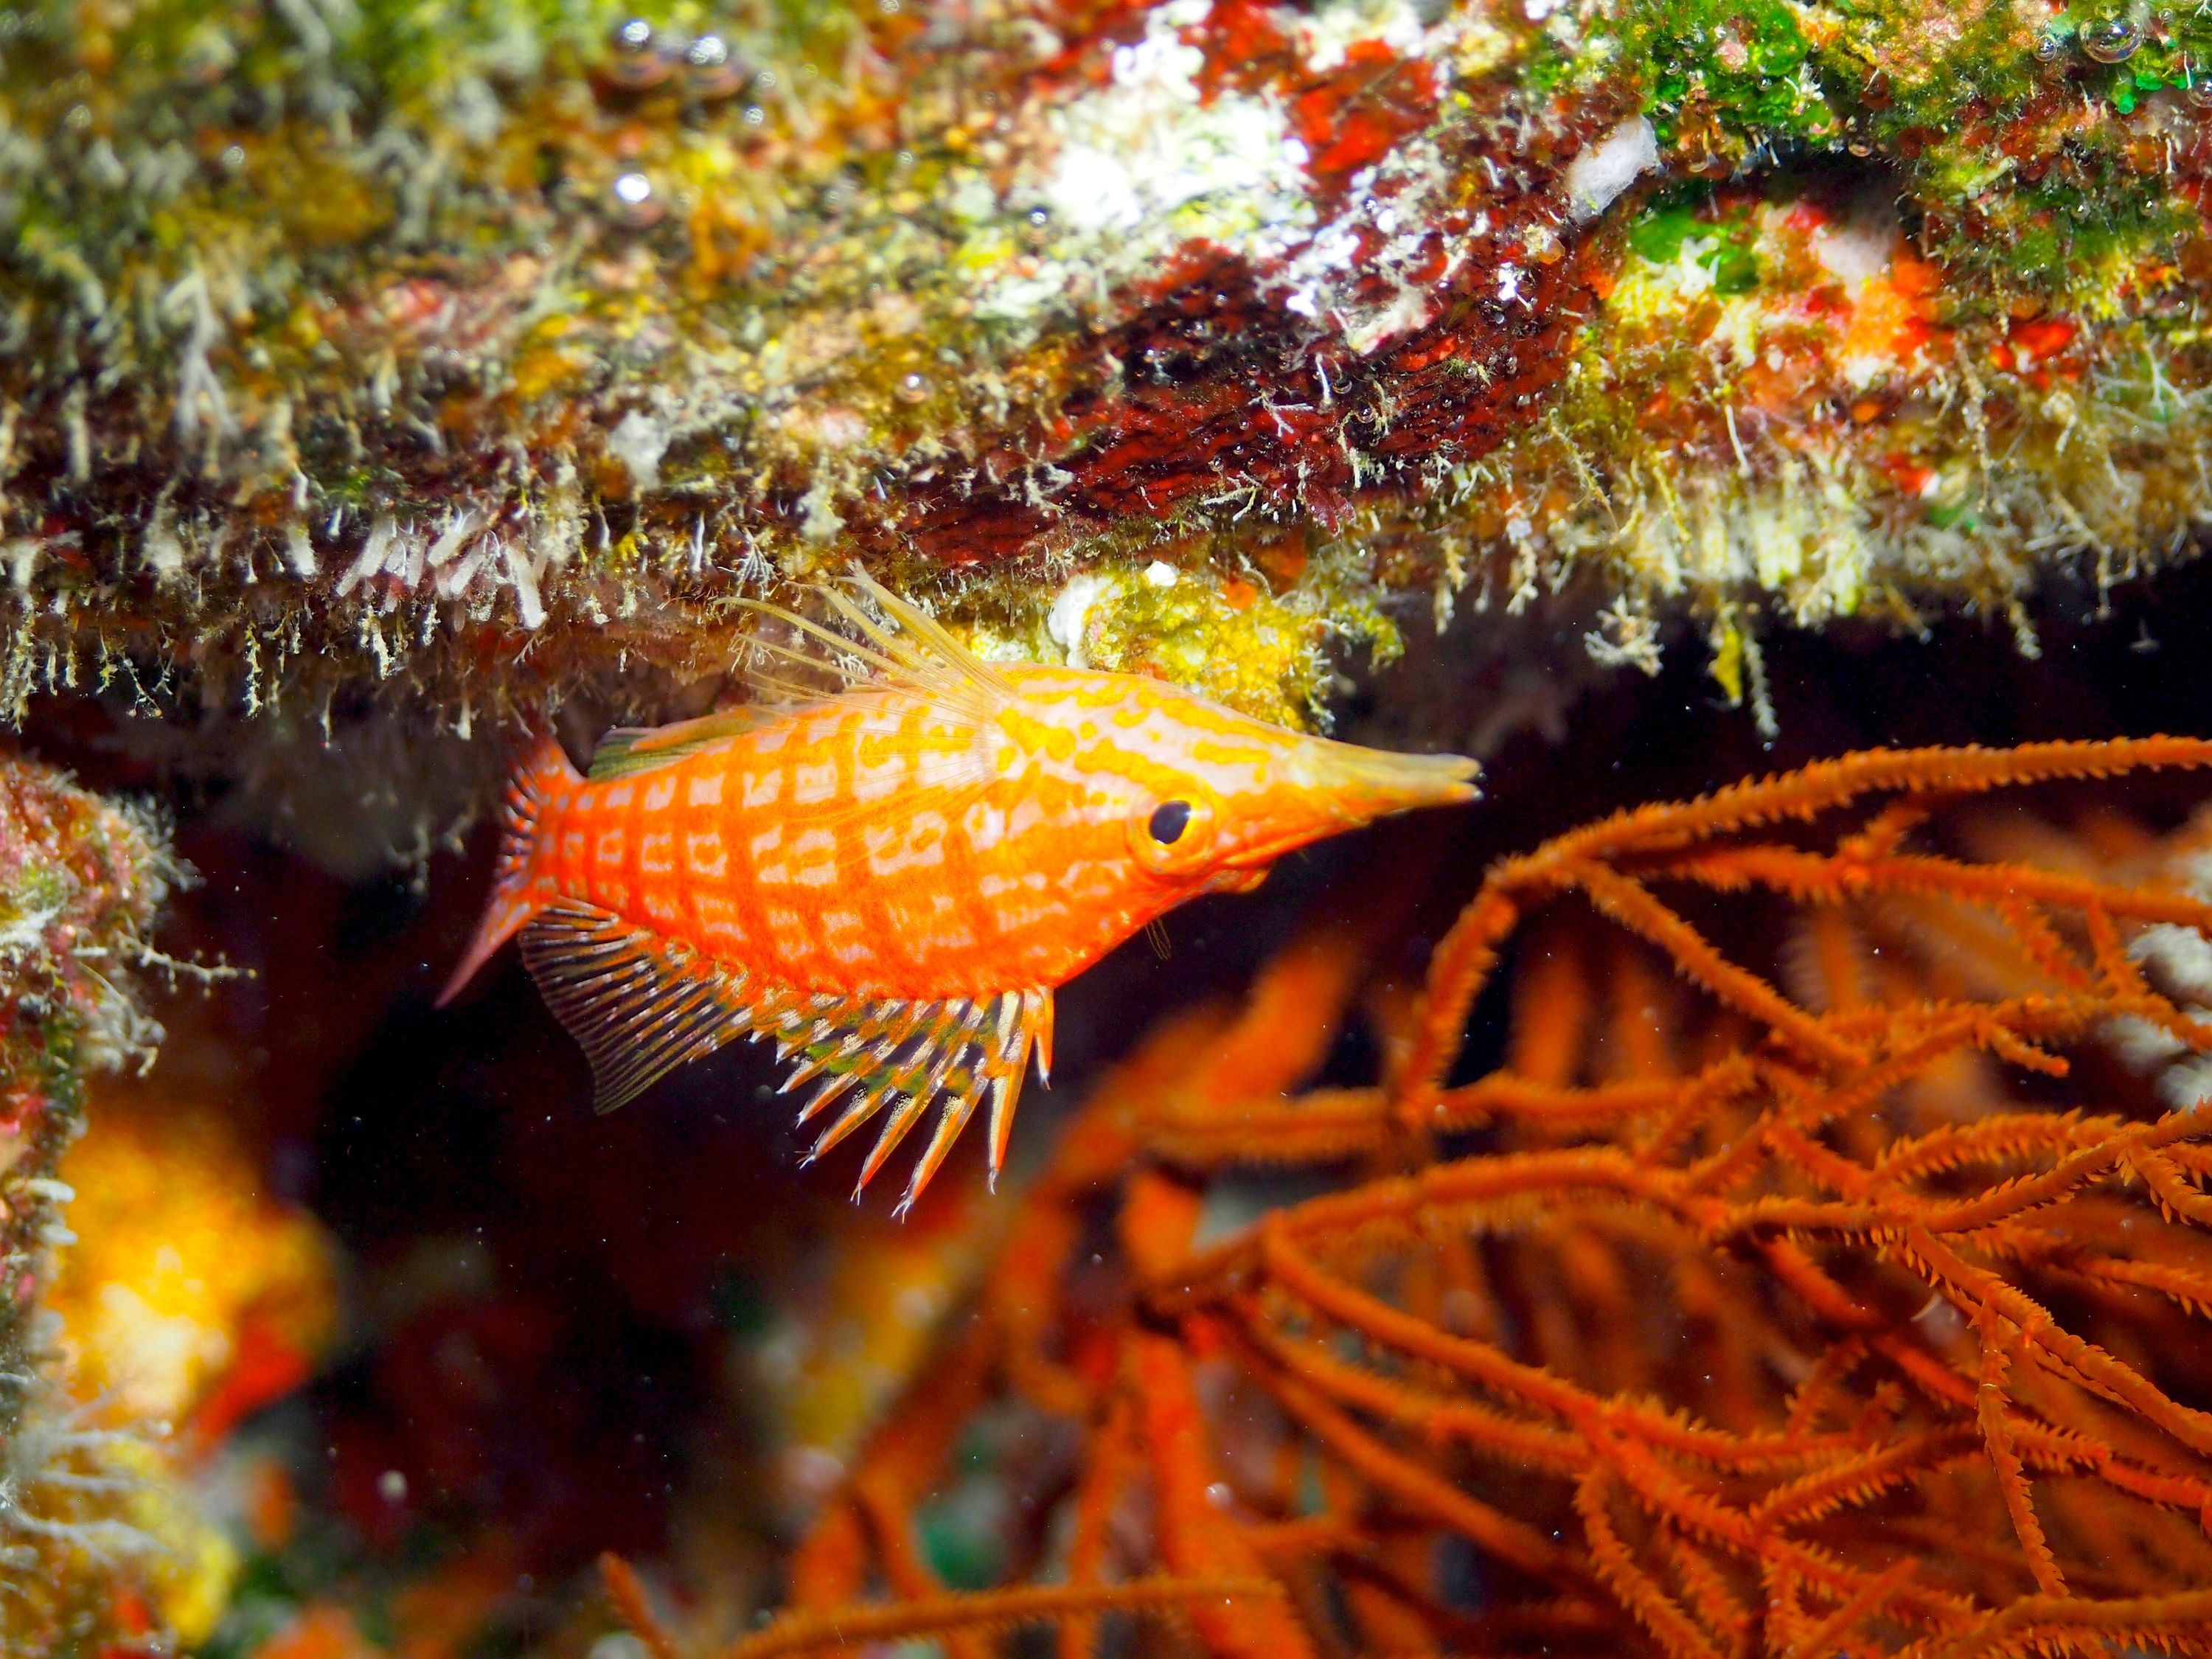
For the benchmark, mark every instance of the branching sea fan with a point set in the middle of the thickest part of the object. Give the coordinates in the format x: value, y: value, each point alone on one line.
x: 1827, y: 1268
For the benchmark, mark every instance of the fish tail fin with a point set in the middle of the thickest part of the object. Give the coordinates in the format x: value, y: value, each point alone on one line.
x: 544, y: 774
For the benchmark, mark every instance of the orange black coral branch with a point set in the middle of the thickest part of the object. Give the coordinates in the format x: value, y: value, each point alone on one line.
x: 1842, y: 1289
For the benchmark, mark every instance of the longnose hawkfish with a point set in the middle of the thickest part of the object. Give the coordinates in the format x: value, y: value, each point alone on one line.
x: 892, y: 880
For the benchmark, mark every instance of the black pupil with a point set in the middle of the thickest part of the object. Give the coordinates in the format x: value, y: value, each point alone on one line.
x: 1170, y: 820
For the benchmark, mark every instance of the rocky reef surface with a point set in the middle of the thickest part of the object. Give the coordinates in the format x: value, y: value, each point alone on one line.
x: 484, y: 352
x: 82, y: 1524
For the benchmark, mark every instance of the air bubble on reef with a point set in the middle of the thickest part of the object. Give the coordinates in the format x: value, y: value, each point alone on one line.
x: 713, y: 70
x: 637, y: 57
x: 2112, y: 39
x: 636, y: 202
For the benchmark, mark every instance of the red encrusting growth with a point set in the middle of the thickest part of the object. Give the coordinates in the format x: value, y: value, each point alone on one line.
x: 1183, y: 421
x: 1211, y: 382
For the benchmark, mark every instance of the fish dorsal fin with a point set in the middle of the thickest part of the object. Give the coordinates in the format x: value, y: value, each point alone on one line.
x: 902, y: 646
x: 921, y: 644
x: 910, y: 1056
x: 639, y: 1004
x: 628, y: 748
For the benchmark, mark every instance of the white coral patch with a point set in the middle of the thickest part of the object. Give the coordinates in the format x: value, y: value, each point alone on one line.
x: 1144, y: 165
x: 1596, y: 178
x: 1068, y: 620
x: 1861, y: 246
x: 1407, y: 309
x: 1330, y: 33
x: 1144, y: 148
x: 1859, y: 252
x: 639, y: 442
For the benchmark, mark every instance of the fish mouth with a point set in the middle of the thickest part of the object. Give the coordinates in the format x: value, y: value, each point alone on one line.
x: 1345, y: 787
x: 1380, y: 780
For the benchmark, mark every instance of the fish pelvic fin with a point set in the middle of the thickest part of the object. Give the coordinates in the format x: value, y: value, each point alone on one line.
x: 544, y: 776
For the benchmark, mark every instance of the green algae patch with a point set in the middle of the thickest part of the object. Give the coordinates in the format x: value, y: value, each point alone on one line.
x: 1680, y: 235
x: 1742, y: 61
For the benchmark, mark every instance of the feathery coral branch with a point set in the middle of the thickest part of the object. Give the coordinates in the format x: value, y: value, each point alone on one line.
x: 1848, y: 1291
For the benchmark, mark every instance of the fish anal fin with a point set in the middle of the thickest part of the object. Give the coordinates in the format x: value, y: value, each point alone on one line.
x: 639, y: 1004
x: 948, y: 1056
x: 628, y: 748
x: 1024, y: 1029
x: 858, y: 1110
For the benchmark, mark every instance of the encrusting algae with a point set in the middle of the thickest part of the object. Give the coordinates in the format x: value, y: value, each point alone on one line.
x: 465, y: 356
x: 85, y: 1529
x: 895, y: 879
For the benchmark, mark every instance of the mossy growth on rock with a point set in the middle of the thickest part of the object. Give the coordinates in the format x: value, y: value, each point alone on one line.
x: 81, y: 880
x: 478, y: 355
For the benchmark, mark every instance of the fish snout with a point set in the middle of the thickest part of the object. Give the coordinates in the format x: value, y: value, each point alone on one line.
x: 1367, y: 784
x: 1340, y: 787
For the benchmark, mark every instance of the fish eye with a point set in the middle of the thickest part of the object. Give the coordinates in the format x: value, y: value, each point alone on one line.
x: 1174, y: 837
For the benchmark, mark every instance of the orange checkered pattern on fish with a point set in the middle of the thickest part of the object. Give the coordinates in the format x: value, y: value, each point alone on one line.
x: 892, y: 880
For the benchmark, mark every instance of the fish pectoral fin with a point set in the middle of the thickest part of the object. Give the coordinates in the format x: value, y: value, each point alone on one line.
x: 638, y: 1004
x: 628, y: 748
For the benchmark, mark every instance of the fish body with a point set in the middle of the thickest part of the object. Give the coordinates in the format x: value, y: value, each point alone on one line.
x: 894, y: 878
